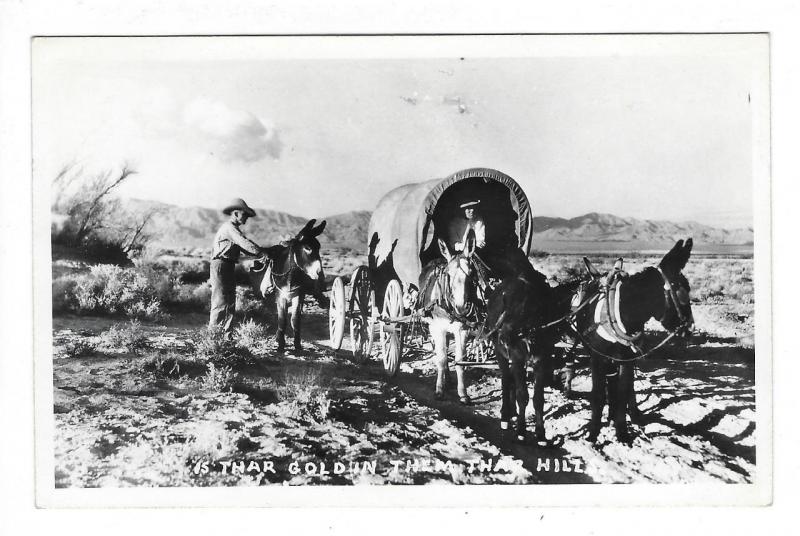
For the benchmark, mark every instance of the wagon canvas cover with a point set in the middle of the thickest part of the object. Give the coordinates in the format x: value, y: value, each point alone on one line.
x: 416, y: 214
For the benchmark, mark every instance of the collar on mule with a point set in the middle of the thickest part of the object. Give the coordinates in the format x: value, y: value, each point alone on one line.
x: 607, y: 317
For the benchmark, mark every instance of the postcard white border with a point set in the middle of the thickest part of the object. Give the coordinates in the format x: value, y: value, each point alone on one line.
x: 456, y: 496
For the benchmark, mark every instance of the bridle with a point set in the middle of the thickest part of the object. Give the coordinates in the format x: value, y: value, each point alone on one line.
x: 670, y: 296
x: 473, y: 313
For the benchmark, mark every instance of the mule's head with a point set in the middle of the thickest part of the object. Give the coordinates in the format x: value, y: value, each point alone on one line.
x: 678, y: 307
x: 462, y: 276
x: 305, y: 251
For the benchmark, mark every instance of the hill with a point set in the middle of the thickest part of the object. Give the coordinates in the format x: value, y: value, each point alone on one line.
x: 194, y: 227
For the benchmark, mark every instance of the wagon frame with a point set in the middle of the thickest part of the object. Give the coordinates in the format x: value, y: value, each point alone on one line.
x: 411, y: 218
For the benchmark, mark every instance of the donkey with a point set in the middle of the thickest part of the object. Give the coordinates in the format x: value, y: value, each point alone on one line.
x: 451, y: 292
x: 516, y: 309
x: 296, y: 271
x: 613, y: 326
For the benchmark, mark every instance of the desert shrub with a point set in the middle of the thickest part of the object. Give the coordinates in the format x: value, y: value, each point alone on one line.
x: 219, y: 379
x: 250, y: 334
x: 192, y: 272
x: 194, y: 297
x: 78, y: 347
x: 90, y: 218
x: 213, y: 346
x: 109, y: 289
x: 171, y: 363
x: 129, y: 337
x: 247, y: 302
x: 64, y: 293
x: 307, y: 393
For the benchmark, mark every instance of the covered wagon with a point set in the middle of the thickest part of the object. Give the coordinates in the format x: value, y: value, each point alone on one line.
x: 403, y: 235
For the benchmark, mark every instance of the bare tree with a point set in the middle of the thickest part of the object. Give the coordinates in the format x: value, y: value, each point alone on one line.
x: 94, y: 215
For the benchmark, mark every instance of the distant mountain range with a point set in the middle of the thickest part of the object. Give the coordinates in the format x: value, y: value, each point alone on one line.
x: 194, y: 227
x: 609, y: 228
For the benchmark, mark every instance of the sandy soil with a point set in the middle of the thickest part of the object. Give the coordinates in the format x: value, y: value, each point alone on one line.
x: 318, y: 418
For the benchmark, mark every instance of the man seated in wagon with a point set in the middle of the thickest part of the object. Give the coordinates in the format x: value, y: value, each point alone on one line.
x: 473, y: 221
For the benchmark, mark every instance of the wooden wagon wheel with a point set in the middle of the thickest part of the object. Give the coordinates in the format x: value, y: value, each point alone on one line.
x: 362, y: 318
x: 336, y: 314
x: 392, y: 334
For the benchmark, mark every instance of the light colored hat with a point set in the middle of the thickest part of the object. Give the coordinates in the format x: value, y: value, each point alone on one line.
x: 239, y: 204
x: 470, y: 204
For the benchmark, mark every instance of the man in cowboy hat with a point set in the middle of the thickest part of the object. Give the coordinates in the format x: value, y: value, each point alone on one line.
x: 229, y: 243
x: 474, y: 222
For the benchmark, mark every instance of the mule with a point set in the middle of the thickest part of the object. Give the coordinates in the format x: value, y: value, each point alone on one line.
x: 515, y: 310
x: 296, y: 271
x: 451, y: 292
x: 611, y: 330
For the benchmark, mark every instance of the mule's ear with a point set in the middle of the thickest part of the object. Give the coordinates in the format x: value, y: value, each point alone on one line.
x: 687, y: 248
x: 469, y: 244
x: 672, y: 257
x: 316, y: 231
x: 394, y: 245
x: 444, y: 250
x: 309, y: 224
x: 683, y: 257
x: 591, y: 269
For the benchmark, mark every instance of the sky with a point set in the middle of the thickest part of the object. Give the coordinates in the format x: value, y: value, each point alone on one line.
x: 637, y: 129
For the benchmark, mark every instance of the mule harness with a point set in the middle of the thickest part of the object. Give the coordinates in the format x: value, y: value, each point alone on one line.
x: 293, y: 266
x: 612, y: 293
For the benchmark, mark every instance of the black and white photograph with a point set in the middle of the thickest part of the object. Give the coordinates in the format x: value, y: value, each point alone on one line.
x: 454, y: 262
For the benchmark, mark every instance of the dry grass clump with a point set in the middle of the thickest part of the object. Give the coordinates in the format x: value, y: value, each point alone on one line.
x: 251, y: 335
x: 129, y: 337
x: 78, y: 347
x: 248, y: 303
x: 111, y: 290
x: 147, y: 290
x: 213, y: 346
x: 307, y: 393
x: 220, y: 379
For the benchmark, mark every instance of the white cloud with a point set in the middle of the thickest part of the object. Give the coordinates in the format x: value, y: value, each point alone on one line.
x: 211, y: 126
x: 232, y: 135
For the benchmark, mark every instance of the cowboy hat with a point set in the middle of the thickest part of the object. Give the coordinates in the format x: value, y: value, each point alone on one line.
x: 470, y: 204
x: 239, y: 204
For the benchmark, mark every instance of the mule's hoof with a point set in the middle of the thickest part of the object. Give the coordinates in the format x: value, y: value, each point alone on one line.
x: 625, y: 438
x: 541, y: 440
x: 504, y: 425
x: 465, y: 400
x: 439, y: 396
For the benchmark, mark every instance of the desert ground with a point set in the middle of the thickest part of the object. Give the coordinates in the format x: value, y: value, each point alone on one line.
x: 144, y: 395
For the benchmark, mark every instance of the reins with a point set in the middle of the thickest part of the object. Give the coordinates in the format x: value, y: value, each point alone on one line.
x: 625, y: 339
x: 629, y: 340
x: 642, y: 355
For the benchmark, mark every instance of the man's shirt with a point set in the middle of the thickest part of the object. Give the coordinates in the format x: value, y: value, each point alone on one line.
x: 230, y: 242
x: 479, y: 228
